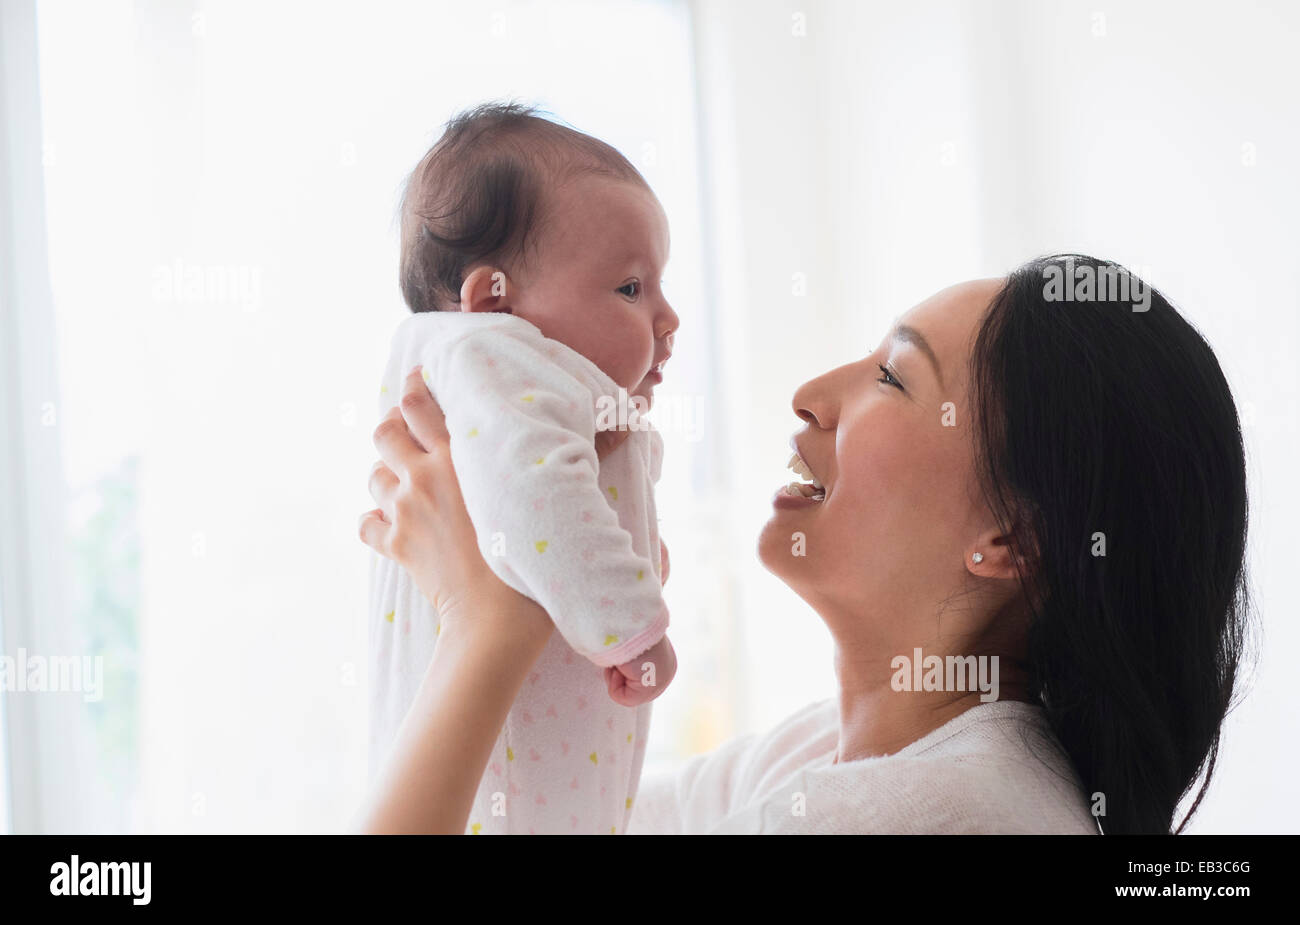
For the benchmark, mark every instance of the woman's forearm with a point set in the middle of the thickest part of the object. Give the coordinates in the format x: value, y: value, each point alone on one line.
x: 429, y: 780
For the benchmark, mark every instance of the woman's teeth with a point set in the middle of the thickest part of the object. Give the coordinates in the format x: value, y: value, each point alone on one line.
x: 812, y: 488
x: 806, y: 490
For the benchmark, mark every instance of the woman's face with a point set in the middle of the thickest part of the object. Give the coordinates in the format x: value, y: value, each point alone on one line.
x: 902, y: 511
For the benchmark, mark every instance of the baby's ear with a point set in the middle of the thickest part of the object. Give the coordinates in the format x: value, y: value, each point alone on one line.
x: 486, y: 289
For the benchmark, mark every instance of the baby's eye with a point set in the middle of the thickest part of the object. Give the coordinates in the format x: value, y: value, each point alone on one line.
x: 630, y: 289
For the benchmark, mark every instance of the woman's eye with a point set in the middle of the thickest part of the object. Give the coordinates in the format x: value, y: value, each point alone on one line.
x: 630, y: 289
x: 888, y: 378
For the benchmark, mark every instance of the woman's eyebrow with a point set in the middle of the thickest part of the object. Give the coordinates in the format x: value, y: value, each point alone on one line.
x: 910, y: 335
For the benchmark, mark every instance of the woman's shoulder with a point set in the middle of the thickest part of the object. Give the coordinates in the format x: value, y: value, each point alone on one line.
x: 995, y: 768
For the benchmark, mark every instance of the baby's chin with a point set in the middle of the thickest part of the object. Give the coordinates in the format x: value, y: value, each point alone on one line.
x: 646, y: 390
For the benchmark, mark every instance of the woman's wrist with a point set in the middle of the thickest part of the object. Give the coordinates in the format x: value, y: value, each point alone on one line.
x: 495, y: 615
x: 444, y: 743
x: 502, y: 659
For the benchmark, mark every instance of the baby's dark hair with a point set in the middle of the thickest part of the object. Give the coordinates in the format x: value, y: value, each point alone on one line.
x: 479, y: 195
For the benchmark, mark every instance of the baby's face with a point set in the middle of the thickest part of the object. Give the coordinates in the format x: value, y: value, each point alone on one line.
x: 594, y: 285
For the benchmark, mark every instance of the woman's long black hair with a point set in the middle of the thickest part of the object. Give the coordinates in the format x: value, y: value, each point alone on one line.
x: 1109, y: 447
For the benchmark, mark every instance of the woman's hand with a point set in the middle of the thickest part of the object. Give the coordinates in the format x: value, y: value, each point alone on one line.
x: 422, y: 523
x: 490, y: 635
x: 489, y: 639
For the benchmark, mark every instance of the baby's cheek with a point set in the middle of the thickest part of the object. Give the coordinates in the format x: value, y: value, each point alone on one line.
x: 604, y: 354
x: 624, y: 354
x: 644, y: 356
x: 622, y: 372
x: 632, y: 370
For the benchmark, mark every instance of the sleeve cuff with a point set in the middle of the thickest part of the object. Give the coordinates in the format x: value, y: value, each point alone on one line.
x: 627, y: 650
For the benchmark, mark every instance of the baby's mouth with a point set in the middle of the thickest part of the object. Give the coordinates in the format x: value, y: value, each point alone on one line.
x: 812, y: 488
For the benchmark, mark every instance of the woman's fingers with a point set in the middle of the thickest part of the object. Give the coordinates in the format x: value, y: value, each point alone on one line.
x: 394, y: 442
x: 383, y: 486
x: 373, y: 529
x: 423, y: 414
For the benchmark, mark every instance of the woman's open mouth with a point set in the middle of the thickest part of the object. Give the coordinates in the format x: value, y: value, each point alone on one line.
x: 810, y: 488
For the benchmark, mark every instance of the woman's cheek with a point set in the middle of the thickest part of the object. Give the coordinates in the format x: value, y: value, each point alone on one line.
x: 878, y: 482
x: 880, y: 460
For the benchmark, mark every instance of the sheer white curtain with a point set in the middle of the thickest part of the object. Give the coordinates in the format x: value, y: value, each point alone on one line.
x: 41, y: 746
x: 863, y: 155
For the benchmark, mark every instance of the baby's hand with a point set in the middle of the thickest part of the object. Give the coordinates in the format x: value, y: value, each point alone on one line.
x: 643, y: 678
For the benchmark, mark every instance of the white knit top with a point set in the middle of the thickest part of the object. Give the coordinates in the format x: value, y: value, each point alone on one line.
x: 996, y: 768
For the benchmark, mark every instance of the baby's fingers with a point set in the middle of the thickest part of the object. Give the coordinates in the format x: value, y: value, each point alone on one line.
x: 622, y: 691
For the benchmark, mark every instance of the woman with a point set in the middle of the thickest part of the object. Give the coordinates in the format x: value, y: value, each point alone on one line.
x: 1050, y: 493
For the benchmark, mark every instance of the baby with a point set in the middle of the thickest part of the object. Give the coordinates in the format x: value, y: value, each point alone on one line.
x: 531, y: 257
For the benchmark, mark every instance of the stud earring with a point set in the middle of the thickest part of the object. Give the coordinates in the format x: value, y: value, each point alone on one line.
x: 977, y: 558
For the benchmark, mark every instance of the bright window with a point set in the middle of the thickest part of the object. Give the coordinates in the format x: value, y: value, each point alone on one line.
x: 221, y: 185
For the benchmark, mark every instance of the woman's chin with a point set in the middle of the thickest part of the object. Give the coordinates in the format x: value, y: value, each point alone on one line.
x: 782, y: 541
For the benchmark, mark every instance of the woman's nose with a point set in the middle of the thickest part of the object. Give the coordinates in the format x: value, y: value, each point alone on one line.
x: 815, y: 401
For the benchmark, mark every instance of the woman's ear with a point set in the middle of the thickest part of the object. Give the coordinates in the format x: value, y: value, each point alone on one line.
x: 486, y: 289
x: 991, y: 555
